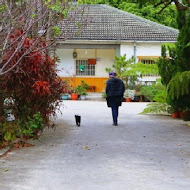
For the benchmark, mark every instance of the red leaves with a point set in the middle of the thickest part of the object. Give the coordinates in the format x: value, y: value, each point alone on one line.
x: 33, y: 84
x: 41, y: 87
x: 27, y: 43
x: 17, y: 33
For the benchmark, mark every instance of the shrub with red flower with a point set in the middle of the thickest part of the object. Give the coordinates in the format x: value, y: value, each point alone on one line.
x: 34, y: 84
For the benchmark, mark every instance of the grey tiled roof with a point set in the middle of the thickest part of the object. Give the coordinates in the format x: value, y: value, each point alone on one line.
x: 109, y: 23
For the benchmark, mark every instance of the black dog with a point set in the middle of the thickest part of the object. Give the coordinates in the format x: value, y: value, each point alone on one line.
x: 78, y: 119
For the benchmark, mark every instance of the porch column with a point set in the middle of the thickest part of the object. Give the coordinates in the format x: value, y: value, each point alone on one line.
x: 117, y: 51
x: 135, y: 51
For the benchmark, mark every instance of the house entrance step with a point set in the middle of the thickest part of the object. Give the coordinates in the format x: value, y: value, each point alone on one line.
x: 95, y: 96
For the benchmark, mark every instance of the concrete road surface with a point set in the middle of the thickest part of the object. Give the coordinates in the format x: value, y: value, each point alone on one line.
x: 143, y: 152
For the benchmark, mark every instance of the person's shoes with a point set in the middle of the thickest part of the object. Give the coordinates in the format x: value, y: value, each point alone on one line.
x: 115, y: 124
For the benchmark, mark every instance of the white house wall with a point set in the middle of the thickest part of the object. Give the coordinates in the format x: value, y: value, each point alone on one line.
x: 142, y: 49
x: 106, y: 61
x: 105, y: 58
x: 66, y: 64
x: 128, y: 49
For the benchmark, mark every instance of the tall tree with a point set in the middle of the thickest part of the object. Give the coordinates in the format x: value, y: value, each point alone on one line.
x: 178, y: 81
x: 31, y: 27
x: 38, y: 19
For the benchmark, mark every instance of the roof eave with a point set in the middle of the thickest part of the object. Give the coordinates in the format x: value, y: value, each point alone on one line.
x: 113, y: 41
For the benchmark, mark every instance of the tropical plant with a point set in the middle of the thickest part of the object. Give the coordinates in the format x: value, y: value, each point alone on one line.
x: 179, y: 85
x: 130, y: 72
x: 156, y: 108
x: 81, y: 89
x: 120, y: 65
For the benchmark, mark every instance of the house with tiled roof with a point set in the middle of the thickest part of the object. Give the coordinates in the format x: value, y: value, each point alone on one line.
x: 111, y: 32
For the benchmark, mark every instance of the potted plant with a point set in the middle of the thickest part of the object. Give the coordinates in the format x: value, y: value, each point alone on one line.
x: 129, y: 95
x: 81, y: 90
x: 174, y: 112
x: 74, y: 94
x: 66, y: 90
x: 65, y: 96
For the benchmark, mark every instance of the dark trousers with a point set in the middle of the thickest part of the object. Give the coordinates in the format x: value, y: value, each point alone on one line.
x: 115, y: 112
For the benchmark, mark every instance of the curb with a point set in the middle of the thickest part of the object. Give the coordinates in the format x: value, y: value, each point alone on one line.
x: 4, y: 151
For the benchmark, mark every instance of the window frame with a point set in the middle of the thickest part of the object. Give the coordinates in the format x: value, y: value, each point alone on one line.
x: 148, y: 58
x: 84, y: 59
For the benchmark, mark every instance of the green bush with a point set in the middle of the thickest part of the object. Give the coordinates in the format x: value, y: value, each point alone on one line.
x: 155, y: 92
x: 33, y: 125
x: 13, y: 129
x: 156, y: 108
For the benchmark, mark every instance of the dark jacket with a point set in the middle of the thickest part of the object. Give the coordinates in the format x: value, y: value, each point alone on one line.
x: 114, y: 91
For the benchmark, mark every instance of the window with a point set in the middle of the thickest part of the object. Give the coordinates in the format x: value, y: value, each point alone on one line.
x: 148, y: 60
x: 84, y: 69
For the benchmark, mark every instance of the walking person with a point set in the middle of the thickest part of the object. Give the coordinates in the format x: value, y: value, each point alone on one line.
x: 114, y: 91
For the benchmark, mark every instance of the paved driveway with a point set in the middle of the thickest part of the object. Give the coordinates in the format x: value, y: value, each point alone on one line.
x: 142, y: 153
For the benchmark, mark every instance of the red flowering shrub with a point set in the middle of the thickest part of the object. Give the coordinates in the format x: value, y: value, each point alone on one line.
x: 33, y: 85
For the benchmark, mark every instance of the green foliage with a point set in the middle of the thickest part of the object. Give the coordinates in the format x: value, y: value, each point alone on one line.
x: 129, y: 71
x: 168, y: 17
x: 140, y: 69
x: 33, y: 125
x: 120, y: 65
x: 160, y: 96
x: 174, y: 70
x: 2, y: 8
x: 155, y: 92
x: 156, y: 108
x: 81, y: 89
x: 166, y: 65
x: 179, y: 85
x: 182, y: 45
x: 103, y: 94
x: 9, y: 131
x: 18, y: 128
x: 56, y: 30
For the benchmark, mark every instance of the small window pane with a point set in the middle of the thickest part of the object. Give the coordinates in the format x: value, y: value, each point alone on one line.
x: 89, y: 70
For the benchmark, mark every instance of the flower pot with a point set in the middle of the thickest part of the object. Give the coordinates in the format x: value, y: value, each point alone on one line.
x: 175, y: 115
x: 180, y: 114
x: 128, y: 99
x: 136, y: 98
x: 74, y: 96
x: 83, y: 97
x: 65, y: 97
